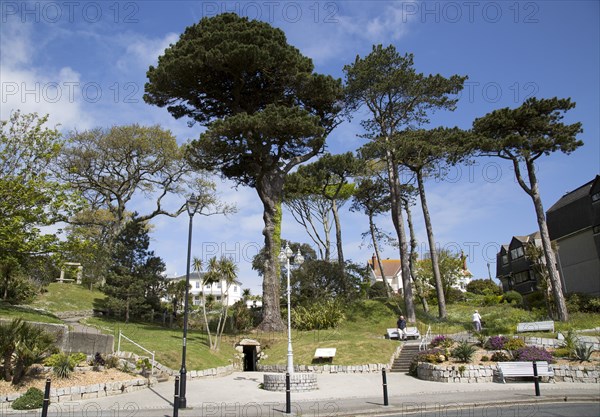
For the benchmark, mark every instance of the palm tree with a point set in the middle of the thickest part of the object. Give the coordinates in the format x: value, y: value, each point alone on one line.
x: 228, y: 275
x: 8, y: 338
x: 32, y: 345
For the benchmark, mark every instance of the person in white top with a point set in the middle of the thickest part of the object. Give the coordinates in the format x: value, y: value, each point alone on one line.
x: 476, y: 321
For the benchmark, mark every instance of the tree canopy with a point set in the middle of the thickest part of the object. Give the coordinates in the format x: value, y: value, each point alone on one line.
x: 265, y: 111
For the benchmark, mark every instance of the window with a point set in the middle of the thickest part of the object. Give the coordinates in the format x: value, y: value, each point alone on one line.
x: 504, y: 259
x: 520, y: 277
x: 219, y: 285
x: 596, y: 197
x: 235, y: 288
x: 197, y: 284
x: 596, y: 229
x: 517, y: 253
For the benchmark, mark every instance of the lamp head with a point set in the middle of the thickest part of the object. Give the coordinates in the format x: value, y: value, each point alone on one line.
x: 192, y: 205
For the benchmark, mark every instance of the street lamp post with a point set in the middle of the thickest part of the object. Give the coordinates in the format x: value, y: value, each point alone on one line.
x: 284, y: 256
x: 191, y: 206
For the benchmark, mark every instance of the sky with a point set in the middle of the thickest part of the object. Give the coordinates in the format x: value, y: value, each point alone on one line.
x: 84, y: 64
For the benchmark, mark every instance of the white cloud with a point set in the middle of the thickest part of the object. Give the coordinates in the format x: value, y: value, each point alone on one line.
x: 141, y: 51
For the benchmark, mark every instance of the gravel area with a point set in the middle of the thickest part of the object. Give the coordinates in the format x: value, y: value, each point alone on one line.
x: 76, y: 378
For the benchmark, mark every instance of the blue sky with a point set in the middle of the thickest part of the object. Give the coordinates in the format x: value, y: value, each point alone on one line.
x: 84, y: 63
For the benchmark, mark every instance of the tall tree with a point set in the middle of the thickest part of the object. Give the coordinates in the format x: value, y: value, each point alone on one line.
x: 110, y: 167
x: 523, y: 135
x: 397, y: 98
x: 451, y: 268
x: 30, y: 196
x: 422, y: 151
x: 372, y: 198
x: 265, y: 110
x: 135, y: 280
x: 327, y: 180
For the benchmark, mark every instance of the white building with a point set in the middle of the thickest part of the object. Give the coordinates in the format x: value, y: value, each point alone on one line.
x: 219, y: 290
x: 392, y: 269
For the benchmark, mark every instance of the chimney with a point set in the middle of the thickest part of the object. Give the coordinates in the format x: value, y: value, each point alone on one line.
x: 373, y: 260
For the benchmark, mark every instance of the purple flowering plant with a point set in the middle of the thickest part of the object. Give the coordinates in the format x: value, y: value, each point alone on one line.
x: 496, y: 342
x: 533, y: 353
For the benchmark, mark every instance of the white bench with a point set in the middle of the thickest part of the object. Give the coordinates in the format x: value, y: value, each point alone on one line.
x: 322, y: 354
x: 536, y: 326
x: 392, y: 333
x: 522, y: 369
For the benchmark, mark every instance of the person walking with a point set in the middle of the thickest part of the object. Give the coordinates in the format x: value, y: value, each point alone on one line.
x: 401, y: 325
x: 476, y: 321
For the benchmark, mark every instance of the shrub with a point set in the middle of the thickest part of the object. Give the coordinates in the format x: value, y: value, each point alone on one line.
x: 442, y: 341
x: 32, y: 399
x: 562, y: 353
x: 430, y: 355
x: 514, y: 344
x: 491, y: 300
x: 63, y: 365
x: 319, y: 316
x: 98, y: 361
x: 481, y: 339
x: 377, y: 290
x: 500, y: 357
x: 583, y: 352
x: 533, y: 353
x: 512, y: 297
x: 483, y: 287
x: 496, y: 342
x: 463, y: 352
x: 485, y: 358
x: 78, y: 357
x: 112, y: 362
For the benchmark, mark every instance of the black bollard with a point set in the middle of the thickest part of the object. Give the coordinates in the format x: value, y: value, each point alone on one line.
x: 288, y: 397
x: 536, y: 379
x: 176, y: 398
x: 385, y: 393
x: 46, y: 398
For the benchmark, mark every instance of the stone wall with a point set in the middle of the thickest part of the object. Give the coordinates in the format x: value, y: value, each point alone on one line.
x: 456, y: 373
x: 204, y: 373
x: 75, y: 393
x: 485, y: 373
x: 570, y: 373
x: 298, y: 382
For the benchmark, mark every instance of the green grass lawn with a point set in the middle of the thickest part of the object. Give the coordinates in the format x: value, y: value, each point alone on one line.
x: 8, y: 311
x: 68, y: 297
x: 167, y: 344
x: 359, y: 339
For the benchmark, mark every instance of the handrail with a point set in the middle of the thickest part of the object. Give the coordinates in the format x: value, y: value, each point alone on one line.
x: 425, y: 339
x: 138, y: 345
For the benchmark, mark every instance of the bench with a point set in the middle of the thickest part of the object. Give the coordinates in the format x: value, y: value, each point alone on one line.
x: 324, y: 354
x: 522, y: 369
x: 536, y: 326
x: 392, y: 333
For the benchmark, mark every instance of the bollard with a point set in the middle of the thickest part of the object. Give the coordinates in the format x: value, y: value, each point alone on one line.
x: 46, y: 398
x: 385, y: 393
x: 288, y: 390
x: 536, y: 379
x: 176, y: 398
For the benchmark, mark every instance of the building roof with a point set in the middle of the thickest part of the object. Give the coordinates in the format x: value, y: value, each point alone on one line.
x: 574, y: 211
x: 193, y: 275
x: 391, y: 267
x: 574, y: 195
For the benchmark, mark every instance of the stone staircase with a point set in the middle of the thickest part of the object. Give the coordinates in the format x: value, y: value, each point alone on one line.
x: 408, y: 352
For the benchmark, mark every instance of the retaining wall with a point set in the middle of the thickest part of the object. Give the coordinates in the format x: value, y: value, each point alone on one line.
x: 485, y: 373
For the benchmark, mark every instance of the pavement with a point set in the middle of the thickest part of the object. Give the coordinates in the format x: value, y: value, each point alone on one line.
x: 239, y: 394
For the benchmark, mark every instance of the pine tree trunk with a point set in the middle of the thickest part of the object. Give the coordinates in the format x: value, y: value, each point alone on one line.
x: 439, y: 288
x: 559, y: 299
x: 388, y: 287
x: 338, y: 236
x: 398, y: 220
x: 270, y: 191
x: 413, y: 249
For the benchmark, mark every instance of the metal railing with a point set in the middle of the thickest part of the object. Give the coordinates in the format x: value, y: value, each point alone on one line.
x: 121, y: 335
x: 425, y: 339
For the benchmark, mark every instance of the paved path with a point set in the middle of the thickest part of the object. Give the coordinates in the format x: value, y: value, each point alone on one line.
x: 239, y: 394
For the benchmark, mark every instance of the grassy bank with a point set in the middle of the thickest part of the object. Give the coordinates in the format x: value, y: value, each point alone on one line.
x: 68, y: 297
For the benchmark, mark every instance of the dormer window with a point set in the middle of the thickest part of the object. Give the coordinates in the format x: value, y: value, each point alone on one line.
x: 596, y: 197
x: 517, y: 253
